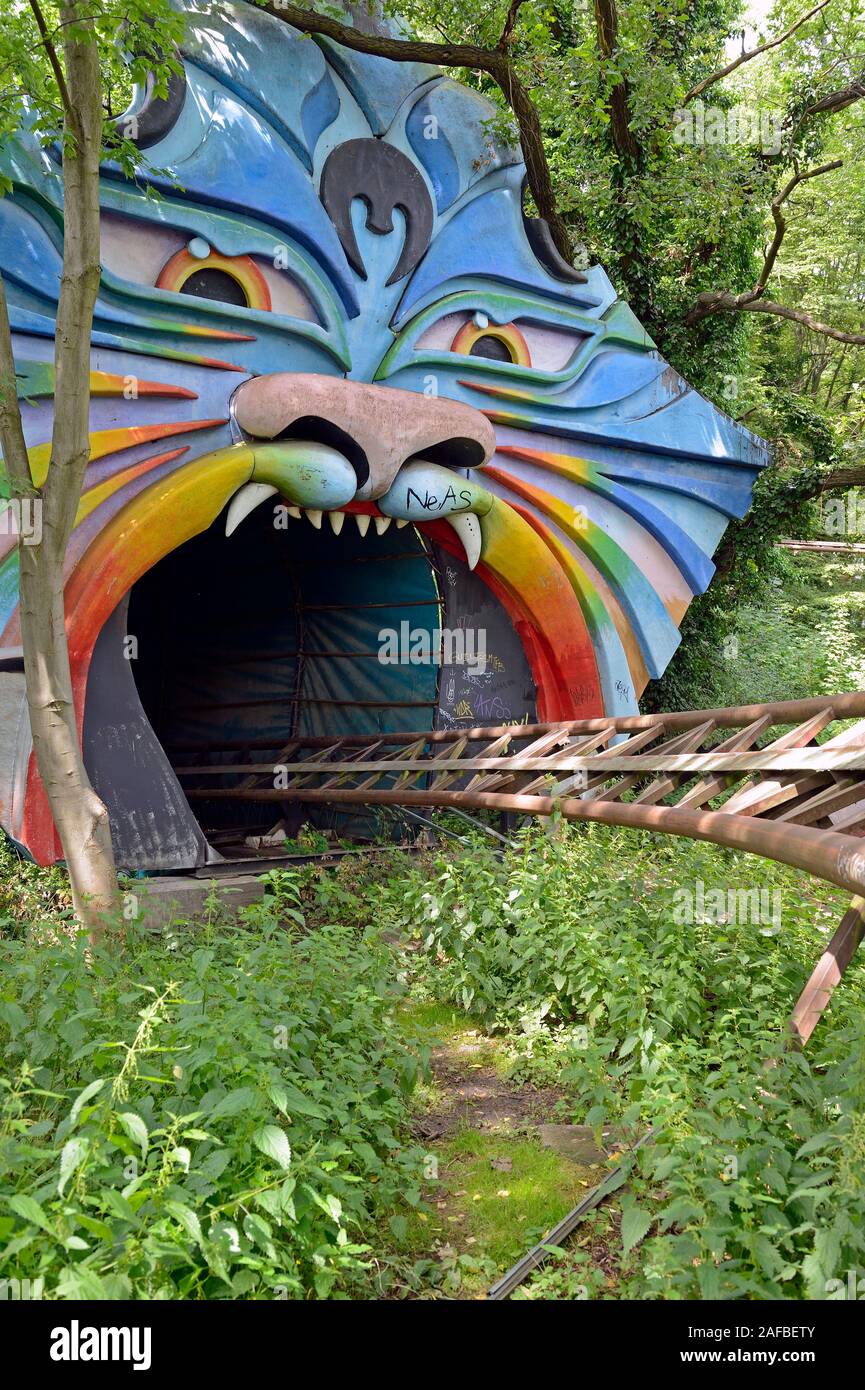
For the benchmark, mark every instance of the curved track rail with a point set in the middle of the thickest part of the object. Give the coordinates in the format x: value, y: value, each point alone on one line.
x: 753, y: 778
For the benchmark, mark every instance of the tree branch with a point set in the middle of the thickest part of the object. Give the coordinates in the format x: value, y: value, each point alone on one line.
x: 780, y: 221
x: 837, y: 101
x: 840, y: 479
x: 752, y: 301
x: 607, y: 27
x: 767, y: 306
x: 510, y: 24
x: 56, y: 66
x: 12, y: 440
x: 721, y: 301
x: 495, y: 62
x: 752, y: 53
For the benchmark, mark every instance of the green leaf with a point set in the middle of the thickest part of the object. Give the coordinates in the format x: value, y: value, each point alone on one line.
x: 278, y: 1094
x: 187, y: 1218
x: 635, y: 1224
x: 136, y: 1129
x: 72, y: 1156
x: 80, y: 1282
x: 814, y: 1276
x: 29, y: 1210
x: 827, y: 1248
x: 95, y: 1227
x: 399, y: 1226
x: 681, y: 1212
x: 818, y: 1142
x: 119, y: 1206
x: 84, y: 1097
x: 234, y: 1103
x: 300, y: 1104
x: 14, y: 1016
x: 274, y: 1142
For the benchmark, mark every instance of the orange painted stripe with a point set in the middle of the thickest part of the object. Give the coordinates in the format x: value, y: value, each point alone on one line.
x: 114, y: 441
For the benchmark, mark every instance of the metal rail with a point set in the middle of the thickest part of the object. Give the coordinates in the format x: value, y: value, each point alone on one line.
x: 528, y: 1263
x: 764, y: 785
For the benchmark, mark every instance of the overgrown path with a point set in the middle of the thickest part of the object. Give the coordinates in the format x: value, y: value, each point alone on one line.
x: 503, y: 1166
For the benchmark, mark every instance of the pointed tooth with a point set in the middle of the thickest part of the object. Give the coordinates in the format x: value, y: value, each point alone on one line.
x: 363, y: 521
x: 294, y: 511
x: 382, y: 523
x: 336, y: 521
x: 244, y: 501
x: 315, y: 518
x: 468, y: 528
x: 403, y: 521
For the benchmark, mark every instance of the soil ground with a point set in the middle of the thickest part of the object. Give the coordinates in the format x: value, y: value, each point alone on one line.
x: 497, y: 1188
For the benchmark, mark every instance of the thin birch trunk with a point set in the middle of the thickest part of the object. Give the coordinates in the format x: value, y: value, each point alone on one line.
x: 79, y: 815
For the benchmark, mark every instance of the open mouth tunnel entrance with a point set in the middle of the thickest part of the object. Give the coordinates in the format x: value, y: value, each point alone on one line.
x: 248, y: 642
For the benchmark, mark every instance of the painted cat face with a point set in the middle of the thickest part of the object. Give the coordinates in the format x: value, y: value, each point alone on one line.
x: 336, y: 309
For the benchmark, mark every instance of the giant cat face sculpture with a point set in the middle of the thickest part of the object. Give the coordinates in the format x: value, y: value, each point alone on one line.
x: 338, y: 308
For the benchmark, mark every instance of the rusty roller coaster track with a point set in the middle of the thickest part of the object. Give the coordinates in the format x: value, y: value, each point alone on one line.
x: 755, y: 778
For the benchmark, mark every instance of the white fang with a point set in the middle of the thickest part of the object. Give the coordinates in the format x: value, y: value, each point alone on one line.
x: 250, y: 496
x: 468, y: 528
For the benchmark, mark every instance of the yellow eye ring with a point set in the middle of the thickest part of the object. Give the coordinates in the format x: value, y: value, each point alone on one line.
x: 242, y: 269
x: 506, y: 333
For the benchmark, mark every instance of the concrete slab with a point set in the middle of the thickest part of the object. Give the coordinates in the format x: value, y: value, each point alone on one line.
x: 576, y: 1142
x: 182, y: 899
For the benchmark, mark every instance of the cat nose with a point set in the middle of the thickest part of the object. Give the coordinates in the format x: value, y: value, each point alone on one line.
x: 377, y: 428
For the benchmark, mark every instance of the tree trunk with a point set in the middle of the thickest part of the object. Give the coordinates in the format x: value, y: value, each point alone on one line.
x: 842, y: 478
x: 80, y: 817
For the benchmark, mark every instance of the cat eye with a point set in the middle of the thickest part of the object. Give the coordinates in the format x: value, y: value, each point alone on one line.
x: 524, y: 342
x: 228, y: 279
x: 491, y: 347
x: 215, y: 284
x: 496, y: 342
x: 166, y: 258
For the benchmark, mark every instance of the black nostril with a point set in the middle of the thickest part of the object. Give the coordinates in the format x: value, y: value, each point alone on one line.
x: 455, y: 453
x: 320, y: 431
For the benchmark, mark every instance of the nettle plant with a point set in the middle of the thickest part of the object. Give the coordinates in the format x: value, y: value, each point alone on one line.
x: 573, y: 947
x: 223, y: 1120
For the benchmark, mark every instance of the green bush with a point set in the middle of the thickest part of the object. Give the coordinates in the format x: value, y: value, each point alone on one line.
x: 31, y: 896
x: 578, y: 947
x: 220, y: 1116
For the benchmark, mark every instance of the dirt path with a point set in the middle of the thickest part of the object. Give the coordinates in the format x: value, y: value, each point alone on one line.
x: 495, y: 1185
x: 469, y: 1092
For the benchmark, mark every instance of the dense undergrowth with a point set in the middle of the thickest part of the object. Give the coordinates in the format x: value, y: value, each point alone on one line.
x: 218, y: 1114
x: 582, y: 950
x: 798, y: 631
x: 226, y: 1111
